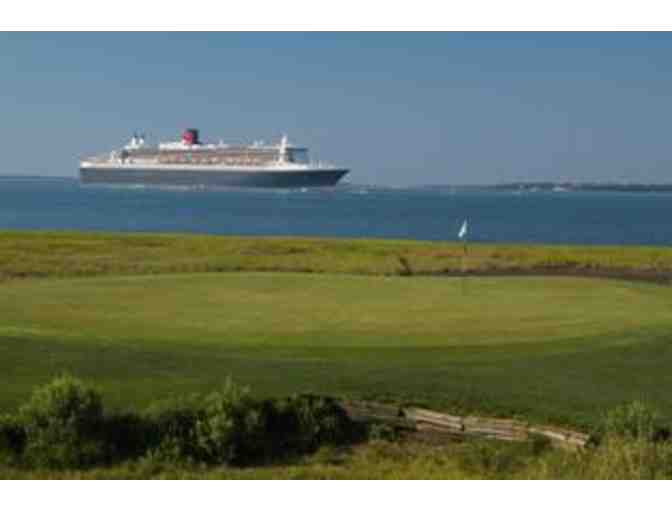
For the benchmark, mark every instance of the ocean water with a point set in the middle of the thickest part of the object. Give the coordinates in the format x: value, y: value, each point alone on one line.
x: 610, y: 218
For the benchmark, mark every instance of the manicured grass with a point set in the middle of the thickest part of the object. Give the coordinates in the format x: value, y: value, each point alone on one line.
x: 548, y: 348
x: 64, y: 254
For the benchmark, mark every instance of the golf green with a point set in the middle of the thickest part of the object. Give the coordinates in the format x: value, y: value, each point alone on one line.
x: 552, y: 348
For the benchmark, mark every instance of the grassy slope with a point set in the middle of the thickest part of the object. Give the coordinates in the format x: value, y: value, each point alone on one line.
x: 376, y: 460
x: 40, y: 254
x: 559, y: 349
x: 475, y: 459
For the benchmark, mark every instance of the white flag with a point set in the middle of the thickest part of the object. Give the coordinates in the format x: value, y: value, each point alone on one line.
x: 463, y: 230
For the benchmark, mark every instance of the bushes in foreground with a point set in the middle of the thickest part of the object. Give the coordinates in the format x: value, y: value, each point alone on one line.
x: 230, y: 427
x: 64, y: 426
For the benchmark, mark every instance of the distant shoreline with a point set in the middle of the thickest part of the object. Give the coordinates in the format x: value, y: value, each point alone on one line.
x: 559, y: 187
x: 532, y: 187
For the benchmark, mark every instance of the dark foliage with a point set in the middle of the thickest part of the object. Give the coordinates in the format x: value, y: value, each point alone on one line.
x: 63, y: 426
x: 12, y: 439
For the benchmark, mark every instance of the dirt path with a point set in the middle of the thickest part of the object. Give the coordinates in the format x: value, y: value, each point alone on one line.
x: 641, y: 275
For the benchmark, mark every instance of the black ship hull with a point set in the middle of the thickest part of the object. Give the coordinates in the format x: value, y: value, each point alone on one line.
x: 211, y: 178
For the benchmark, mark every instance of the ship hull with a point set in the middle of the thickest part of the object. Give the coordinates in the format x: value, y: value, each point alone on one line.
x: 211, y: 178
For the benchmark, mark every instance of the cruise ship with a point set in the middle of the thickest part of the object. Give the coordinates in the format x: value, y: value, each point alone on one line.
x: 188, y: 162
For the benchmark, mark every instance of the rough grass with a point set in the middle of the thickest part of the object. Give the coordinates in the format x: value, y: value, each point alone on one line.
x: 617, y: 460
x: 65, y: 254
x: 376, y: 460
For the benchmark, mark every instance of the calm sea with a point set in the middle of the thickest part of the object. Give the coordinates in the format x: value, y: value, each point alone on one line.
x: 348, y: 211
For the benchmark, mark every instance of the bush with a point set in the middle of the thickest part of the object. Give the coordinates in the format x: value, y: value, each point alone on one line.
x: 169, y: 429
x: 63, y: 424
x: 320, y: 421
x: 636, y: 420
x: 233, y: 428
x: 238, y: 430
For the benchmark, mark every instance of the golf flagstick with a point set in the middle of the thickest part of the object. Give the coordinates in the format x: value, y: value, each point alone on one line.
x: 462, y: 234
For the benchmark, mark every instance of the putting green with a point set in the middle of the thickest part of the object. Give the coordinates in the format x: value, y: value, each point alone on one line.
x: 555, y: 347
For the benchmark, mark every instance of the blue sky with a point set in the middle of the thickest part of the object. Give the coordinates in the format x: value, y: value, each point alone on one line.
x: 398, y: 108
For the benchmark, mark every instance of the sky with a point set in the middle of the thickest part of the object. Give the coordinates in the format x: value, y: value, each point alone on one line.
x: 399, y: 109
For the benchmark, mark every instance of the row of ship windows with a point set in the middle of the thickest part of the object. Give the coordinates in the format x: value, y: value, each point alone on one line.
x: 205, y: 160
x: 188, y: 158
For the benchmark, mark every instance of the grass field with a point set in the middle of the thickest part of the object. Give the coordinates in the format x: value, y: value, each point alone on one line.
x: 148, y: 316
x: 383, y: 460
x: 551, y: 349
x: 66, y: 254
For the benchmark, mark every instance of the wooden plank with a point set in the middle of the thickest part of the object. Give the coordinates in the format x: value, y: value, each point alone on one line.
x: 366, y: 412
x: 561, y: 437
x: 496, y: 433
x: 494, y: 426
x: 494, y: 421
x: 434, y: 423
x: 437, y: 430
x: 439, y: 419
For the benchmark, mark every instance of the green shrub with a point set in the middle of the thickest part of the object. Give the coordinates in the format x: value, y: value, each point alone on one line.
x: 321, y: 420
x: 636, y: 420
x: 227, y: 427
x: 236, y: 429
x: 63, y: 424
x: 168, y: 429
x: 232, y: 428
